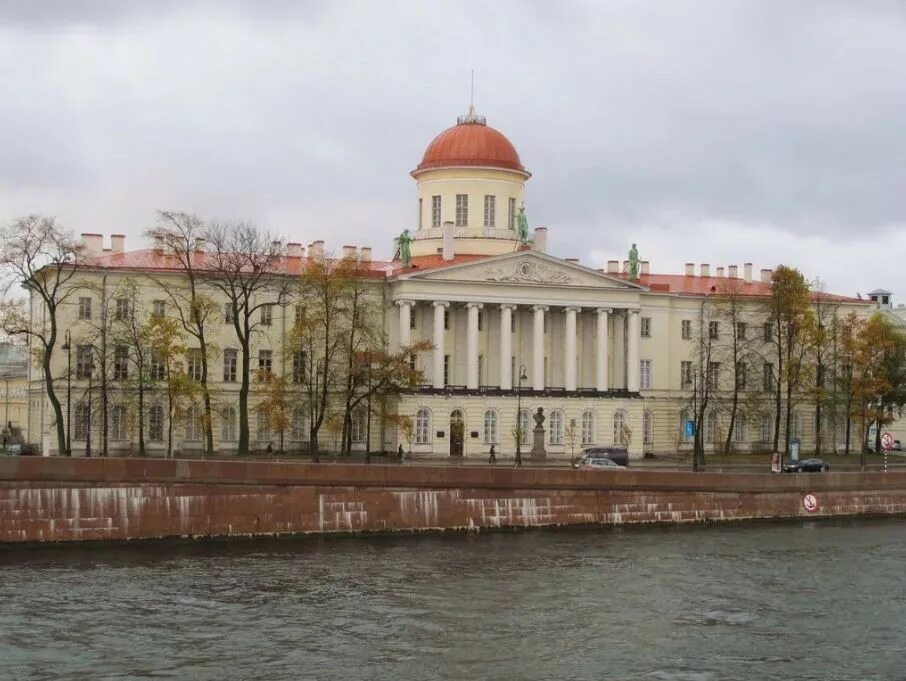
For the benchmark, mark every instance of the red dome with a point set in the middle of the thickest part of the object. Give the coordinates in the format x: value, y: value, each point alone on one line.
x: 471, y: 143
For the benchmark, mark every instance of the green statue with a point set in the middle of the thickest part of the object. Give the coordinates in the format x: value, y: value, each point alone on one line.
x: 633, y: 262
x: 522, y: 225
x: 403, y: 241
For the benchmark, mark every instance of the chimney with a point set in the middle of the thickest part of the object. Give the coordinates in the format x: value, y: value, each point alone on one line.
x: 365, y: 253
x: 575, y: 260
x: 448, y: 241
x: 705, y: 269
x: 316, y: 249
x: 646, y: 267
x: 766, y: 275
x: 294, y: 250
x: 159, y: 244
x: 541, y: 239
x: 349, y: 251
x: 117, y: 243
x: 277, y: 245
x: 747, y: 272
x: 613, y: 267
x: 720, y: 271
x: 690, y: 269
x: 199, y: 244
x: 92, y: 244
x: 734, y: 271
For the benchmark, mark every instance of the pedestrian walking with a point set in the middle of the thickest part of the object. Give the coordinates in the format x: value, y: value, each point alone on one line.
x: 492, y: 457
x: 399, y: 453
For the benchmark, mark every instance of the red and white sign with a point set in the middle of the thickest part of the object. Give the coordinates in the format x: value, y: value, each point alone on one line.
x: 886, y: 441
x: 810, y: 503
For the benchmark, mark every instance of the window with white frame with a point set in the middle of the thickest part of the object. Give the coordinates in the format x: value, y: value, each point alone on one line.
x: 121, y: 313
x: 511, y: 214
x: 714, y: 375
x: 265, y: 363
x: 490, y: 427
x: 228, y: 424
x: 645, y: 374
x: 648, y: 427
x: 795, y: 425
x: 645, y: 327
x: 490, y: 210
x: 84, y: 361
x: 686, y: 374
x: 299, y: 314
x: 714, y: 330
x: 156, y: 423
x: 524, y: 427
x: 740, y: 432
x: 435, y: 211
x: 767, y: 427
x: 588, y: 427
x: 711, y: 426
x: 741, y: 375
x: 264, y: 426
x: 267, y: 315
x: 462, y: 210
x: 298, y: 429
x: 85, y: 308
x: 685, y: 417
x: 158, y: 308
x: 121, y: 362
x: 556, y: 427
x: 193, y: 424
x: 228, y: 316
x: 299, y: 366
x: 358, y: 424
x: 81, y: 421
x: 420, y: 214
x: 687, y: 329
x: 619, y: 427
x: 423, y: 426
x: 193, y: 363
x: 118, y: 422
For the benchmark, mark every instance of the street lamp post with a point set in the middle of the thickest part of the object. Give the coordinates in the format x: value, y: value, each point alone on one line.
x: 67, y: 346
x: 519, y: 432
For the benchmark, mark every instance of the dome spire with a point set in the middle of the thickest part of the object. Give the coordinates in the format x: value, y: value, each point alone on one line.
x: 471, y: 117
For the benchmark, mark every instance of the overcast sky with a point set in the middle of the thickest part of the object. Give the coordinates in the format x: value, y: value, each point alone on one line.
x: 714, y: 132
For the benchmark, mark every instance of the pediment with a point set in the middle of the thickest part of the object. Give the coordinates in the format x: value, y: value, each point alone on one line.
x: 525, y: 268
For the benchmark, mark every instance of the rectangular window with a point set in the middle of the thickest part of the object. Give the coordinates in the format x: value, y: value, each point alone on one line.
x: 420, y: 224
x: 741, y: 330
x: 490, y: 209
x: 267, y: 315
x: 265, y: 362
x: 645, y: 374
x: 686, y: 375
x: 299, y: 366
x: 741, y: 375
x: 713, y: 375
x: 687, y: 329
x: 228, y: 317
x: 767, y: 378
x: 446, y: 369
x: 118, y: 422
x: 446, y: 319
x: 768, y: 330
x: 511, y: 214
x: 767, y: 428
x: 714, y: 330
x: 646, y: 327
x: 84, y: 308
x: 412, y: 363
x: 84, y: 361
x: 156, y: 367
x: 435, y: 211
x: 120, y: 362
x: 158, y: 308
x: 122, y: 309
x: 229, y: 365
x: 193, y: 363
x: 299, y: 313
x: 156, y: 423
x: 462, y: 210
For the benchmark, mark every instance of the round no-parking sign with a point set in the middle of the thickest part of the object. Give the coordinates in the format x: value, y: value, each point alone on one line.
x: 810, y: 503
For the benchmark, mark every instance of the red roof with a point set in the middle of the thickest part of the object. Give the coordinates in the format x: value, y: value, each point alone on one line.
x: 471, y: 144
x: 700, y: 286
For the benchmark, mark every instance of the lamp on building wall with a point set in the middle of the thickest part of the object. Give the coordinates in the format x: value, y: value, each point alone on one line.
x: 67, y: 346
x: 519, y: 433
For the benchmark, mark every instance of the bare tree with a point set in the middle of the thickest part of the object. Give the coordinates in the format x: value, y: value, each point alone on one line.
x: 246, y: 265
x: 42, y: 257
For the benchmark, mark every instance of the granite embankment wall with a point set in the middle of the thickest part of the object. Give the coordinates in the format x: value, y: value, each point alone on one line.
x: 61, y: 499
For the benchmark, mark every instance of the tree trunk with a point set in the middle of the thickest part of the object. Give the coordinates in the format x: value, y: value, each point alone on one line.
x: 243, y: 449
x: 141, y: 416
x: 48, y: 383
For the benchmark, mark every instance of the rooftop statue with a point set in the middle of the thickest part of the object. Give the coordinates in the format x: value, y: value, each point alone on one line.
x: 522, y: 225
x: 633, y: 262
x: 403, y: 241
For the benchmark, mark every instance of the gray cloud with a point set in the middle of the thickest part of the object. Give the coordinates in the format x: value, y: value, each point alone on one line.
x: 720, y: 131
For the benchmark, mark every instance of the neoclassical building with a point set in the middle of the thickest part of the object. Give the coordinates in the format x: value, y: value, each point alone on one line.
x: 606, y: 353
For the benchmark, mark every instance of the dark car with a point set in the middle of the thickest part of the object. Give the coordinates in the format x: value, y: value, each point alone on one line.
x: 619, y: 455
x: 807, y: 466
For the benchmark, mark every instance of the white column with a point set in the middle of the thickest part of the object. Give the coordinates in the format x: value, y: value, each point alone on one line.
x: 405, y: 322
x: 538, y: 348
x: 472, y: 311
x: 506, y: 346
x: 632, y: 359
x: 601, y: 351
x: 569, y: 350
x: 438, y: 373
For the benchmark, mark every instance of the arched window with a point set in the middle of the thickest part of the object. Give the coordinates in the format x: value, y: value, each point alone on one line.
x: 711, y: 427
x: 423, y: 426
x: 685, y: 417
x: 118, y: 422
x: 358, y: 424
x: 264, y: 426
x: 490, y: 427
x: 228, y: 424
x: 82, y: 422
x: 524, y: 420
x: 619, y: 427
x: 740, y: 431
x: 298, y: 432
x: 647, y: 428
x: 588, y: 427
x: 556, y: 427
x: 193, y: 424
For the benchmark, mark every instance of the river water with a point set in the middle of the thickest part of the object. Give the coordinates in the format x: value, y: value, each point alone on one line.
x: 821, y: 600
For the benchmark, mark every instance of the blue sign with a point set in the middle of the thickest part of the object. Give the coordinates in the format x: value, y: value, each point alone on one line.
x: 690, y: 429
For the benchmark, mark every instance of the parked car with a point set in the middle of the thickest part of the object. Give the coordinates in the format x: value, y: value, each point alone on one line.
x: 619, y: 455
x: 897, y: 447
x: 598, y: 463
x: 807, y: 466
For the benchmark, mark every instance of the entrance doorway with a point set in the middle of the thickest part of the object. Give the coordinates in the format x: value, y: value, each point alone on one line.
x: 457, y: 432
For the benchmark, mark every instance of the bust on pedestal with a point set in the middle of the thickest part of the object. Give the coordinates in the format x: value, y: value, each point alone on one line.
x: 538, y: 432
